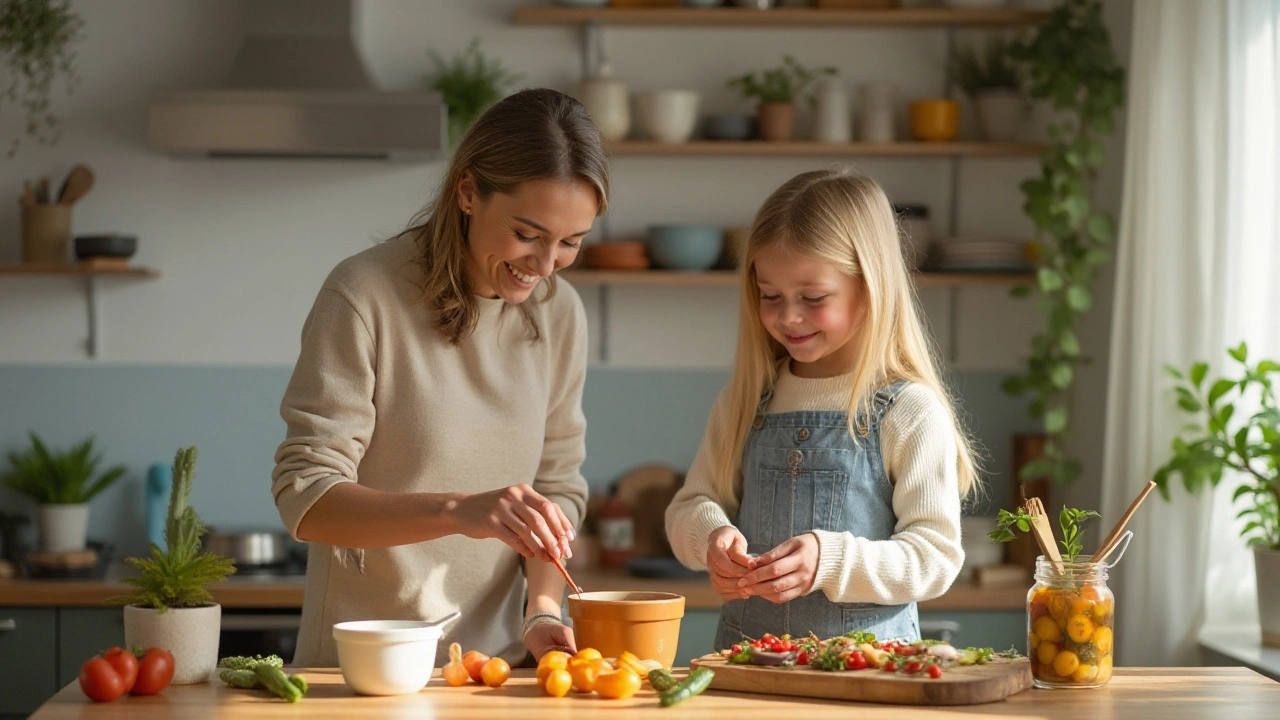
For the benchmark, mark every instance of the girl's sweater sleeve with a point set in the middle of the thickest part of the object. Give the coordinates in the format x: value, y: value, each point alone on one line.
x: 924, y: 555
x: 697, y: 509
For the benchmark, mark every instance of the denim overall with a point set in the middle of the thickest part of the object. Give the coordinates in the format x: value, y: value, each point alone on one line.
x: 803, y: 471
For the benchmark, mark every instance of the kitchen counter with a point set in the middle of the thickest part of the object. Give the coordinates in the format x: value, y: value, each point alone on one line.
x: 1166, y: 693
x: 286, y: 592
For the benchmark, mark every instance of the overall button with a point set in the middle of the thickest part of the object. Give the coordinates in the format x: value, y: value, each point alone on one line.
x: 794, y: 457
x: 758, y: 422
x: 803, y: 434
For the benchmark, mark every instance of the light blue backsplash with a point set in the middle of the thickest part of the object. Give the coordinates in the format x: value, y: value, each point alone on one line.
x: 142, y: 414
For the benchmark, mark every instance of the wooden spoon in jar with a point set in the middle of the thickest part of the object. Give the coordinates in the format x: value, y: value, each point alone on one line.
x: 77, y: 184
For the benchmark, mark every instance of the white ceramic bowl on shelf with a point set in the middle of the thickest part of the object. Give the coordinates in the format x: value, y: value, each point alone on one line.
x: 668, y: 116
x: 386, y: 657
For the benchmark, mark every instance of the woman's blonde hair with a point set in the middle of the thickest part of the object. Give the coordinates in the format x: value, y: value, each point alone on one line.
x: 842, y: 218
x: 535, y: 134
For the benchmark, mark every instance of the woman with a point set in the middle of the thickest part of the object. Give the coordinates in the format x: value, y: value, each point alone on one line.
x: 435, y: 428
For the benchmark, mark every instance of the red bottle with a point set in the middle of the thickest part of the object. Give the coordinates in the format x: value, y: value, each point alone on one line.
x: 617, y: 532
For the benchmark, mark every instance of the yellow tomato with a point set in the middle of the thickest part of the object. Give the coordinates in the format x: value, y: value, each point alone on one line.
x: 585, y: 672
x: 1058, y: 607
x: 555, y: 658
x: 1079, y: 629
x: 588, y: 654
x: 1085, y: 673
x: 454, y: 674
x: 1104, y: 670
x: 495, y: 671
x: 1066, y: 663
x: 1080, y: 606
x: 1033, y: 642
x: 1046, y: 652
x: 473, y: 661
x: 558, y: 682
x: 1047, y: 629
x: 1102, y: 639
x: 618, y: 685
x: 629, y: 661
x: 1101, y: 610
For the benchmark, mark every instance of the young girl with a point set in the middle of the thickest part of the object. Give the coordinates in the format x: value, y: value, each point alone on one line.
x: 825, y: 496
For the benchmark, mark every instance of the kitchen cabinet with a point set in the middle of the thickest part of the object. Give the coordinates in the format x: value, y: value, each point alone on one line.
x: 83, y: 632
x: 28, y: 659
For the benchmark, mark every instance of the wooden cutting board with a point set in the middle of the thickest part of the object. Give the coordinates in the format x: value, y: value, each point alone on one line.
x: 958, y: 685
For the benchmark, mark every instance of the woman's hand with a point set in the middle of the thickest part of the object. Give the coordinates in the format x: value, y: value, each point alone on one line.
x: 785, y: 572
x: 519, y: 517
x: 727, y: 561
x: 545, y: 637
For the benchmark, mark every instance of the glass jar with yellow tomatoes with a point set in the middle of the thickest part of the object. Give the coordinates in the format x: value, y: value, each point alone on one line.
x: 1070, y: 625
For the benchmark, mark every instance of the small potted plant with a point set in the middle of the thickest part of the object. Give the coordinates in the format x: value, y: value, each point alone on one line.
x: 172, y: 608
x: 1246, y: 447
x: 37, y: 44
x: 776, y: 90
x: 992, y: 80
x: 469, y: 83
x: 62, y: 482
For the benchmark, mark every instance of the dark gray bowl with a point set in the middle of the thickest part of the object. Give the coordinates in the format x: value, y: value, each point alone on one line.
x: 729, y: 127
x: 117, y: 246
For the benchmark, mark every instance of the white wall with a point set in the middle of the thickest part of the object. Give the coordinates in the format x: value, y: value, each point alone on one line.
x: 242, y: 246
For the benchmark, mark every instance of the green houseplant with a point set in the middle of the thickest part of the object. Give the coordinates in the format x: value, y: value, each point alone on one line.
x: 1085, y: 87
x: 172, y: 608
x: 1247, y: 448
x: 992, y: 80
x: 469, y: 83
x: 776, y: 89
x: 62, y: 482
x: 37, y: 43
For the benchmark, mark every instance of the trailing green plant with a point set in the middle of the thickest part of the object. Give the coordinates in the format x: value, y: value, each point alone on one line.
x: 990, y: 67
x: 59, y: 477
x: 37, y: 42
x: 177, y: 575
x: 782, y: 84
x: 1069, y: 522
x: 1070, y: 62
x: 469, y: 83
x: 1249, y: 448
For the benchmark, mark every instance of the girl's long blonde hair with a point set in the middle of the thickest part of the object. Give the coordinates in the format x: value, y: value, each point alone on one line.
x: 535, y: 134
x: 842, y: 218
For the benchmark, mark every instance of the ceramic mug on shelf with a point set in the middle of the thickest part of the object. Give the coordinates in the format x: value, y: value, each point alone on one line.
x: 875, y: 117
x: 935, y: 120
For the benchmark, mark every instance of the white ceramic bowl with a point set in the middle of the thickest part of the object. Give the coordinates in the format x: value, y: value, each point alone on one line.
x: 386, y: 657
x: 668, y: 116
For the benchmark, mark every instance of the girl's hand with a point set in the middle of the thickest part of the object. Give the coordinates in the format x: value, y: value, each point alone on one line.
x: 785, y: 572
x: 727, y: 561
x: 519, y: 517
x: 545, y: 637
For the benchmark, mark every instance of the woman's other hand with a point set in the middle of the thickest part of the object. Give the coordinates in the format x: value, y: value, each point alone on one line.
x: 518, y: 516
x: 545, y: 637
x: 728, y: 562
x: 785, y: 572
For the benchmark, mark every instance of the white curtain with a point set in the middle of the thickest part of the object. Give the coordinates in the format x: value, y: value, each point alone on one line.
x: 1197, y: 271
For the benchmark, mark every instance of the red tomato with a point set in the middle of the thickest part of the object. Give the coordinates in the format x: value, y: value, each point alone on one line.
x: 913, y: 667
x: 803, y: 659
x: 1036, y: 610
x: 737, y: 649
x: 891, y: 666
x: 100, y: 681
x: 125, y: 664
x: 856, y: 661
x: 935, y: 672
x: 155, y: 670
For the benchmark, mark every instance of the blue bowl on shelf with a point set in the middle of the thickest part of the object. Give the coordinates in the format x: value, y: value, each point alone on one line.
x: 685, y: 247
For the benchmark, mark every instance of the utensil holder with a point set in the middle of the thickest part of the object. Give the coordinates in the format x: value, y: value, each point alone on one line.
x: 46, y: 233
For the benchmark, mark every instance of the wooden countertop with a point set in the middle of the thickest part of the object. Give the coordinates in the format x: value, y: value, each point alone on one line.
x: 1166, y: 693
x: 286, y: 592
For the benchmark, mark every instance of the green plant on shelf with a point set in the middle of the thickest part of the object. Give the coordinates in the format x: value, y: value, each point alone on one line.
x: 783, y: 84
x: 991, y: 67
x: 469, y: 83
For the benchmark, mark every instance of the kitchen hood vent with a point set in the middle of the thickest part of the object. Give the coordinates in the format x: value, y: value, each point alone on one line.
x: 298, y: 89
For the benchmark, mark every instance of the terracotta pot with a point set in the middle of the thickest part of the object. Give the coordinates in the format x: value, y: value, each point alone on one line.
x: 645, y: 623
x: 935, y: 120
x: 777, y: 120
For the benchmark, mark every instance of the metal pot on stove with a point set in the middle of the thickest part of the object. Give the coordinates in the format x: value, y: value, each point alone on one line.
x: 250, y: 547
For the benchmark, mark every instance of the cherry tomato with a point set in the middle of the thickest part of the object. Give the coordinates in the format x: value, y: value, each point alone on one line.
x: 913, y: 667
x: 856, y: 661
x: 935, y: 672
x: 100, y: 681
x: 125, y: 663
x: 803, y: 658
x: 891, y: 666
x: 155, y: 672
x: 495, y: 672
x: 737, y: 648
x: 473, y: 661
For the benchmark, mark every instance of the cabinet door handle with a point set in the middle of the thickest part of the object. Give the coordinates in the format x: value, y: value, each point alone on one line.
x: 8, y: 624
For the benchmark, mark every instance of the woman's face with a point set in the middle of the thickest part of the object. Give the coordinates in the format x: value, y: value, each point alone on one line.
x: 516, y: 240
x: 811, y: 308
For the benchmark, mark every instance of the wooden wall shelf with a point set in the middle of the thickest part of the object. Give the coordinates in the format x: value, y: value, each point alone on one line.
x: 91, y: 273
x: 776, y: 17
x: 760, y: 148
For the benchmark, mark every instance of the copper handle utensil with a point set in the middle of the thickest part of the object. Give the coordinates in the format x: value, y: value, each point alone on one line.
x: 1112, y: 540
x: 560, y: 566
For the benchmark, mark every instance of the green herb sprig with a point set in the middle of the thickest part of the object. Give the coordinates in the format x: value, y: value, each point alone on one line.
x: 1069, y: 520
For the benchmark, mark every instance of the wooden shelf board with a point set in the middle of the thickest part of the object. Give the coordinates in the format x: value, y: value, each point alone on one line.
x: 758, y: 148
x: 776, y: 17
x: 582, y: 278
x: 50, y: 269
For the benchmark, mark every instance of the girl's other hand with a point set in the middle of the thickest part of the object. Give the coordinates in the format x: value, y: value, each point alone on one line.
x: 785, y: 572
x: 545, y: 637
x: 728, y: 561
x: 519, y: 517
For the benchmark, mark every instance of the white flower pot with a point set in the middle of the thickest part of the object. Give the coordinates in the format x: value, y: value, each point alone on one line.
x: 63, y: 528
x: 1267, y: 564
x: 189, y: 634
x: 1002, y: 114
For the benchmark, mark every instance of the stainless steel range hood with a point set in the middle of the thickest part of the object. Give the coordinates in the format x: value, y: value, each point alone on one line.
x: 298, y: 88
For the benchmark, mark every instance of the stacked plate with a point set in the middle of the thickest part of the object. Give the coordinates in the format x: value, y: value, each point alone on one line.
x: 979, y: 256
x: 616, y: 255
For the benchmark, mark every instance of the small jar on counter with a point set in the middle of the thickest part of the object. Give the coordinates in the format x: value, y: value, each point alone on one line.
x: 1070, y: 625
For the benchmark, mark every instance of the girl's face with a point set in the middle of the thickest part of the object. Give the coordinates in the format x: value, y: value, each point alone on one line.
x: 515, y: 241
x: 810, y: 307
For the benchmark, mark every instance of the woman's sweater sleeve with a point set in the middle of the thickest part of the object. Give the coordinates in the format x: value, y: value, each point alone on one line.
x: 924, y: 555
x: 697, y: 509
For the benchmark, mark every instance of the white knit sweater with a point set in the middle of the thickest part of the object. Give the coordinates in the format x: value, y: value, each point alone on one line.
x: 917, y: 441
